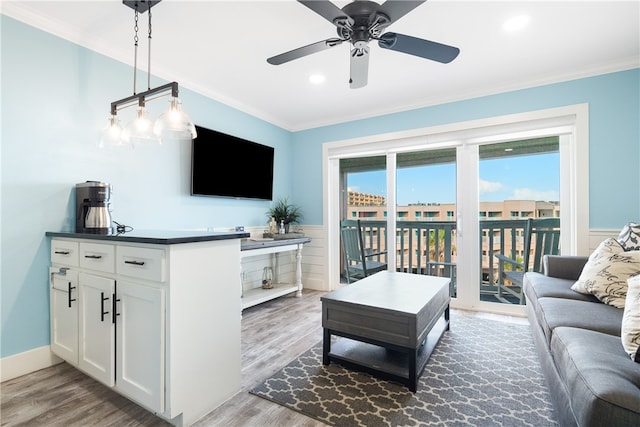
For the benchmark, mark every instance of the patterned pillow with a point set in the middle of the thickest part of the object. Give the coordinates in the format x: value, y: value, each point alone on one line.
x: 629, y: 237
x: 630, y: 333
x: 606, y: 272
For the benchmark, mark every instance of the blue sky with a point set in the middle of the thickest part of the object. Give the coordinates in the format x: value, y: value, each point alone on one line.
x: 533, y: 177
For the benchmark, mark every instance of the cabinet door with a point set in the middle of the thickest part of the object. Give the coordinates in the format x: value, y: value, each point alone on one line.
x: 140, y: 357
x: 64, y: 314
x: 97, y: 327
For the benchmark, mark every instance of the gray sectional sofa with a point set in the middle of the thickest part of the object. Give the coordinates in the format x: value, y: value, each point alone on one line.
x: 592, y: 380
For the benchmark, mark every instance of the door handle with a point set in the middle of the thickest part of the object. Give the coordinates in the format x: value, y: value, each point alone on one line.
x: 71, y: 299
x: 114, y: 308
x: 93, y: 256
x: 102, y: 312
x: 135, y: 262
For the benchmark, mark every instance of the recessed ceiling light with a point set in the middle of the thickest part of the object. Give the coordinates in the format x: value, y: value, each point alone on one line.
x: 316, y: 79
x: 516, y: 23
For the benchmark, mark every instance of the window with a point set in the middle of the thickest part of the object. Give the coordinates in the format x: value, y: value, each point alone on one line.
x: 569, y: 123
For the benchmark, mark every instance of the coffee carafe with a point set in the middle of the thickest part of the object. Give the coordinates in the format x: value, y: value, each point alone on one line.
x: 93, y: 214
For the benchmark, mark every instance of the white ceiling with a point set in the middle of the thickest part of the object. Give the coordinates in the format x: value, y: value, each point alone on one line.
x: 219, y: 49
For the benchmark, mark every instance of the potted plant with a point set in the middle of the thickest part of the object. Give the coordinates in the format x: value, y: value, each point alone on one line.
x: 285, y: 212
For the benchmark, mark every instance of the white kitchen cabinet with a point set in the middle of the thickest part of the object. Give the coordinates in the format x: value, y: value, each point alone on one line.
x: 140, y: 343
x: 64, y: 313
x: 157, y: 322
x: 97, y: 329
x: 122, y: 342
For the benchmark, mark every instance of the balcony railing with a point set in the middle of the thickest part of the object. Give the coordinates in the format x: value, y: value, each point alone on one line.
x: 430, y: 247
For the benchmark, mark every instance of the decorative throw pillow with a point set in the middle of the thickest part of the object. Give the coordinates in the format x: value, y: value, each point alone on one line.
x: 606, y: 272
x: 629, y: 237
x: 630, y: 333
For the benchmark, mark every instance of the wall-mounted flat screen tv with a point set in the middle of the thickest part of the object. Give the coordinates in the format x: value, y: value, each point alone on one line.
x: 227, y: 166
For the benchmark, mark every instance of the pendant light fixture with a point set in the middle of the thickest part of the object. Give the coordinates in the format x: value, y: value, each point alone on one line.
x: 173, y: 123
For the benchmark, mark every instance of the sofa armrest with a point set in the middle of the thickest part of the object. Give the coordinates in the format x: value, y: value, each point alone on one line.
x: 564, y: 266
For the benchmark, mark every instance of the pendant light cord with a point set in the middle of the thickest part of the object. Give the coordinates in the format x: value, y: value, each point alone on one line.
x: 135, y: 51
x: 149, y: 58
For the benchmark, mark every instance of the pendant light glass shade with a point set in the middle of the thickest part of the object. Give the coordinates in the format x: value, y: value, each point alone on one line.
x: 174, y: 123
x: 112, y: 133
x: 140, y: 129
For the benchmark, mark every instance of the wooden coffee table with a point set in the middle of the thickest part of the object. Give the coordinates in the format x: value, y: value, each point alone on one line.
x: 388, y: 324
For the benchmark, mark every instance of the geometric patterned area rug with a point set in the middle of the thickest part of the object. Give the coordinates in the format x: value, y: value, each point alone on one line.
x: 482, y: 373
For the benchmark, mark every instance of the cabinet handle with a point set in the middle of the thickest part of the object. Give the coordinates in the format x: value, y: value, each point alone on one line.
x: 93, y: 256
x: 71, y: 299
x: 115, y: 313
x: 102, y: 312
x: 134, y: 262
x: 62, y: 252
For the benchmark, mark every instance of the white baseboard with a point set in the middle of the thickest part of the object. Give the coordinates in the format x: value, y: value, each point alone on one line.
x: 24, y: 363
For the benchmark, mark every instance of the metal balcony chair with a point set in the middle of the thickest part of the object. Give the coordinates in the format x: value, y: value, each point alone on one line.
x: 358, y: 260
x: 542, y: 237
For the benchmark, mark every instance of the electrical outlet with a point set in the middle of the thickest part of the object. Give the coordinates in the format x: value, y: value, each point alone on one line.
x: 239, y: 227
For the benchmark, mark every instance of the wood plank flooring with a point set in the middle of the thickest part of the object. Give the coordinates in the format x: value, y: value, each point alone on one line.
x: 273, y: 334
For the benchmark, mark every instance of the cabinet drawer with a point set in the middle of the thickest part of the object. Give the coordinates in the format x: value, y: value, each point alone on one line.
x: 64, y: 252
x: 98, y: 257
x: 143, y: 263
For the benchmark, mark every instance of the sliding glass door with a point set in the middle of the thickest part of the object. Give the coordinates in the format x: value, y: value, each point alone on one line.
x: 426, y: 213
x: 447, y: 203
x: 363, y: 203
x: 518, y: 184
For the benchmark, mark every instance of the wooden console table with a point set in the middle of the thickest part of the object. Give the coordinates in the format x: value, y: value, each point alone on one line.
x: 257, y: 247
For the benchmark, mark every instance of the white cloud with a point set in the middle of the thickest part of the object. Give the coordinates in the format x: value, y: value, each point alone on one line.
x: 531, y: 194
x: 489, y: 187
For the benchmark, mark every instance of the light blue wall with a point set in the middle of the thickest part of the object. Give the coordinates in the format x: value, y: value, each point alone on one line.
x: 614, y: 137
x: 55, y: 99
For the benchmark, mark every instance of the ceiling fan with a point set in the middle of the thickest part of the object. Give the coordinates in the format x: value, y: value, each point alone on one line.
x: 360, y: 22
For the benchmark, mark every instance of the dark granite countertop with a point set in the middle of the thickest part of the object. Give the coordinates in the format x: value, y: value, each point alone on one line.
x: 158, y: 237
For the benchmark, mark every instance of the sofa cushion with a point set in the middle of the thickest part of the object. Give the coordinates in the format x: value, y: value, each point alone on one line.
x: 558, y: 312
x: 537, y: 285
x: 603, y: 383
x: 605, y: 274
x: 629, y: 237
x: 630, y: 332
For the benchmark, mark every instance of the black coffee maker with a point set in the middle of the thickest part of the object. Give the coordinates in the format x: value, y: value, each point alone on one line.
x: 92, y: 208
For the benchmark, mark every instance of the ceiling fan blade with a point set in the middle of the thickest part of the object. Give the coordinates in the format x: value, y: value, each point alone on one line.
x: 303, y: 51
x: 419, y: 47
x: 396, y: 9
x: 328, y: 11
x: 359, y: 67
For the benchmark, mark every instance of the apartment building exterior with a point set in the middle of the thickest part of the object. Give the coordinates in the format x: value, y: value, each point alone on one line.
x: 373, y: 207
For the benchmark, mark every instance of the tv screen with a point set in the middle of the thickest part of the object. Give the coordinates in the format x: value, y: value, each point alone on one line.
x: 227, y: 166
